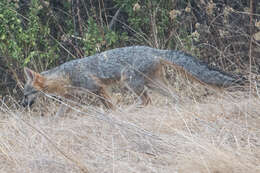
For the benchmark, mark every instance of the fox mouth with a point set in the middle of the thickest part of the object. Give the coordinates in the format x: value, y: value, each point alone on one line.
x: 29, y: 104
x: 29, y: 99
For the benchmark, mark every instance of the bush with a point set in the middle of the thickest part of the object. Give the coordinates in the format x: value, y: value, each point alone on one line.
x: 46, y: 33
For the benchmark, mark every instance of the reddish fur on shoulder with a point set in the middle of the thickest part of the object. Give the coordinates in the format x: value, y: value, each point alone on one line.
x: 39, y: 81
x: 57, y: 86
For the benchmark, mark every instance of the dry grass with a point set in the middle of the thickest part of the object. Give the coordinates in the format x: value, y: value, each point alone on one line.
x: 219, y: 133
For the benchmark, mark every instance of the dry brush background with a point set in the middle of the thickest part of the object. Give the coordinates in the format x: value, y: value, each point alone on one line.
x: 216, y: 133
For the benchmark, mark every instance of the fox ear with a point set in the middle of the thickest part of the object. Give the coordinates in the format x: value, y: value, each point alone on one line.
x: 30, y: 74
x: 37, y: 79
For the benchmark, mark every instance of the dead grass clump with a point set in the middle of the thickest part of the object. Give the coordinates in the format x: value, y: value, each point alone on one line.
x: 217, y: 160
x: 218, y: 134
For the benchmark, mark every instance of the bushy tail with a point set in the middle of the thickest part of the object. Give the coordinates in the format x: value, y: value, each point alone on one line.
x: 200, y: 71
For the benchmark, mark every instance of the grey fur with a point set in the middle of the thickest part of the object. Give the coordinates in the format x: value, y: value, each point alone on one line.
x: 133, y: 65
x: 137, y: 59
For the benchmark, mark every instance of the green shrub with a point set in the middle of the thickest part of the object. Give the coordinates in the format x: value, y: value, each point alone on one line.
x: 23, y: 39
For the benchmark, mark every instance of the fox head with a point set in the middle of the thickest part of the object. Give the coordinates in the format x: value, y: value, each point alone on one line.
x: 57, y: 85
x: 34, y: 82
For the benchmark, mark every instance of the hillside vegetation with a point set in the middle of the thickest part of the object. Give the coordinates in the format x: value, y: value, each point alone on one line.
x: 41, y: 34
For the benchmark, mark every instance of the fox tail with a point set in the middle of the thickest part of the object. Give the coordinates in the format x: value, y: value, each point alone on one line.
x: 200, y: 71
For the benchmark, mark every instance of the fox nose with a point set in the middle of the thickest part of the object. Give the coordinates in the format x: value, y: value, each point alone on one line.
x: 24, y: 102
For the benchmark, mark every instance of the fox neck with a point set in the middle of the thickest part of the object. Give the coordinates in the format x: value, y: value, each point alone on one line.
x: 52, y: 86
x: 39, y: 82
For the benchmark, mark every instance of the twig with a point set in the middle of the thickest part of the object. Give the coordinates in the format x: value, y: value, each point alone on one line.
x: 114, y: 19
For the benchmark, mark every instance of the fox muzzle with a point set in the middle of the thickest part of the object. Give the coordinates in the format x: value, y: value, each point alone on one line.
x: 29, y: 98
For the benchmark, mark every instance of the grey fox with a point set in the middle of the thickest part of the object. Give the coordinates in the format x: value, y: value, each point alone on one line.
x: 135, y: 66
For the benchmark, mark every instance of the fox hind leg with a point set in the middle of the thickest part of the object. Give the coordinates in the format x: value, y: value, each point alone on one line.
x: 105, y: 98
x: 141, y: 93
x: 135, y: 82
x: 145, y: 98
x: 157, y: 81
